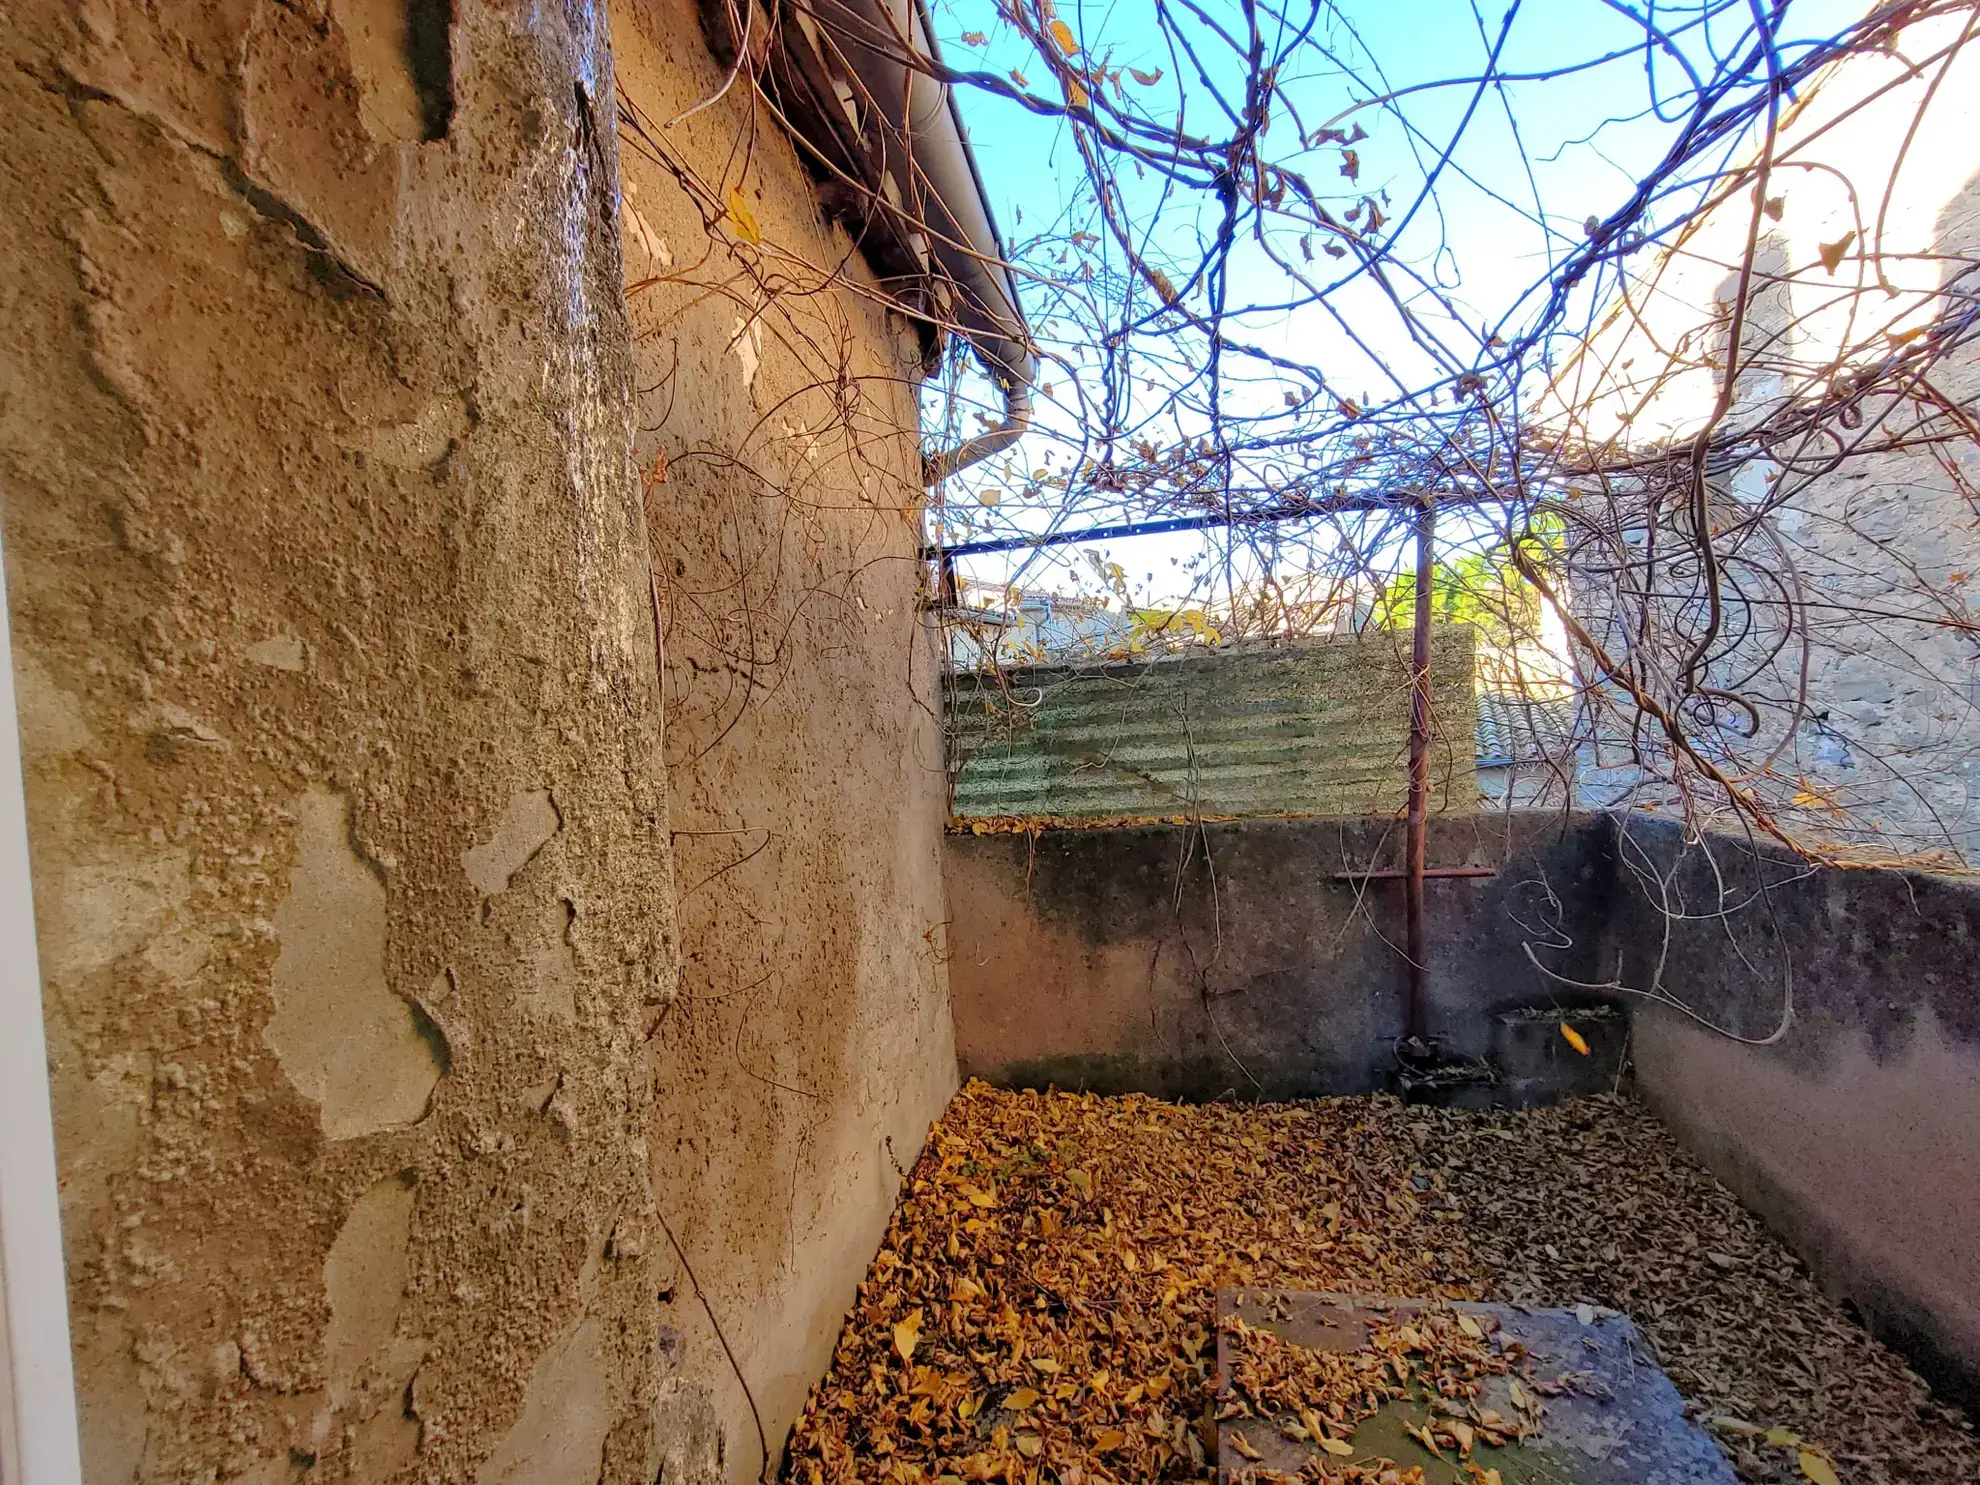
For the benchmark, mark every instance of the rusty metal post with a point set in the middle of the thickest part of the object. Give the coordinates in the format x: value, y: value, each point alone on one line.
x: 1416, y: 1023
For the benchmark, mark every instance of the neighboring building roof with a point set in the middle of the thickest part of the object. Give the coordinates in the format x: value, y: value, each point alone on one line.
x: 1514, y: 729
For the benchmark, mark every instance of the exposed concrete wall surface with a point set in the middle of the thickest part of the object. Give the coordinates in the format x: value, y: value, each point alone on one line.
x: 1194, y: 963
x: 1855, y: 1133
x: 335, y: 651
x: 1321, y: 727
x: 811, y: 1045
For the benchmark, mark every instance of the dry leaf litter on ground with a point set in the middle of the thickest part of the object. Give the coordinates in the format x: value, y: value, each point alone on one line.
x: 1041, y: 1308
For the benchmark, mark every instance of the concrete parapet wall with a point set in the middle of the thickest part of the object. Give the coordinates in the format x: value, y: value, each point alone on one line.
x: 1232, y: 959
x: 1850, y: 1117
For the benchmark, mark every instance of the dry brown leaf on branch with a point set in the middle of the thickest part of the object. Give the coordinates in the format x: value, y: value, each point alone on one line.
x: 742, y: 221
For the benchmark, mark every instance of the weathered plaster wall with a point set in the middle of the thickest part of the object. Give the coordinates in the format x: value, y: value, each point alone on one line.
x: 1856, y: 1131
x: 1230, y: 961
x: 811, y: 1044
x: 334, y: 641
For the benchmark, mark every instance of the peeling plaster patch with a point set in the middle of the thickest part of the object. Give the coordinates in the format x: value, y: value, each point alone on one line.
x: 365, y: 1278
x: 111, y: 1408
x: 560, y: 1437
x: 51, y: 719
x: 416, y: 444
x: 555, y: 987
x: 385, y: 1443
x: 747, y: 344
x: 101, y: 1117
x: 343, y: 1038
x: 279, y: 652
x: 687, y: 1434
x: 647, y: 238
x: 101, y: 911
x: 174, y: 725
x: 529, y: 824
x: 379, y: 37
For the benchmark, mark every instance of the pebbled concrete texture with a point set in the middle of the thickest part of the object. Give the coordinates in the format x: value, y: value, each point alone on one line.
x: 329, y: 583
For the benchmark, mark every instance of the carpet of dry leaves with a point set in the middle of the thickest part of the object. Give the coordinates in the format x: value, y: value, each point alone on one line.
x: 1040, y: 1311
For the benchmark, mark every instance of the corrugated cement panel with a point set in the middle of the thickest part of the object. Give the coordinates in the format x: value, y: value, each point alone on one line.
x: 1321, y: 729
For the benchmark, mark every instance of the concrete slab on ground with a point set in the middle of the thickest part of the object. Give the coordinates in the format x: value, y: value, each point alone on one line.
x: 1607, y: 1414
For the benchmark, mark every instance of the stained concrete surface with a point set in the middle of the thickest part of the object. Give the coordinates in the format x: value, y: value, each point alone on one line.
x: 1845, y: 1103
x: 1232, y: 959
x: 1610, y: 1416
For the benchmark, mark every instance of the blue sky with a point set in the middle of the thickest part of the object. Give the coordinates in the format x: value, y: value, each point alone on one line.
x: 1534, y: 160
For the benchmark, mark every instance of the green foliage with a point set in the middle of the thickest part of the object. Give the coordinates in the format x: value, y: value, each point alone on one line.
x: 1482, y: 589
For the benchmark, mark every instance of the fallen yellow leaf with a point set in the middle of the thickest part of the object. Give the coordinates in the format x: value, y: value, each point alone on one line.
x: 1818, y: 1469
x: 1109, y: 1438
x: 907, y: 1334
x: 1339, y: 1447
x: 1243, y: 1445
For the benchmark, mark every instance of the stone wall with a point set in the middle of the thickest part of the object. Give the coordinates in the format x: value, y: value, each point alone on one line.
x: 1847, y: 618
x: 334, y: 600
x: 811, y: 1046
